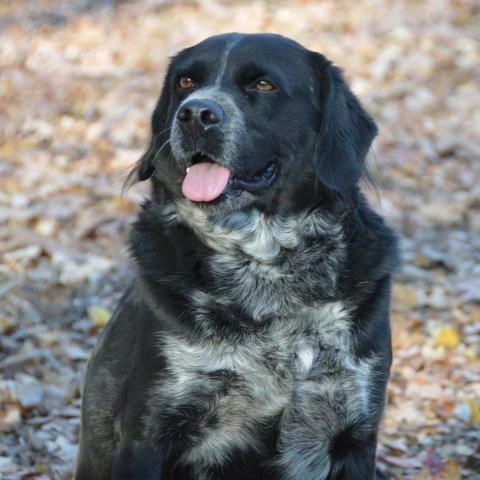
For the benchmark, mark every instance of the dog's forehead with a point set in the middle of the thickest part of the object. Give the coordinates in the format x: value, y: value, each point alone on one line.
x: 236, y: 49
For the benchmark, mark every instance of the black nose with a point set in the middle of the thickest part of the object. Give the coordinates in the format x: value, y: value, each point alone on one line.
x: 198, y: 115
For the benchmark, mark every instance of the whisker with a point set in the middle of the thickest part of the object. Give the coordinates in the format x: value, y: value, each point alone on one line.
x: 160, y: 150
x: 160, y: 133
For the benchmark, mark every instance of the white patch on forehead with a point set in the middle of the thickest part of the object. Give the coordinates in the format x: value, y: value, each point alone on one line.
x: 215, y: 93
x: 224, y: 60
x: 212, y: 93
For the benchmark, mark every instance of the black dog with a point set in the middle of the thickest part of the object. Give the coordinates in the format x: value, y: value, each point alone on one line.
x: 255, y: 341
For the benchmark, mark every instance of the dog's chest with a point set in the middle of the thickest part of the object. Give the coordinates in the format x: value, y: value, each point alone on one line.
x: 236, y: 387
x: 223, y: 373
x: 260, y: 328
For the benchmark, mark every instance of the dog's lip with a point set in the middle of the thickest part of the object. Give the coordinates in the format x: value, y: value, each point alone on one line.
x: 254, y: 183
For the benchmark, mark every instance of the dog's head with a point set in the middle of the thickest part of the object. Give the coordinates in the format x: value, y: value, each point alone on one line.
x: 250, y: 119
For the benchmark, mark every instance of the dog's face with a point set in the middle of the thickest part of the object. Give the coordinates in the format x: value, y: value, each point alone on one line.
x: 252, y: 119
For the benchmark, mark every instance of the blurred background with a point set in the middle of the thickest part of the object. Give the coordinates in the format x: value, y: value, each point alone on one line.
x: 78, y: 81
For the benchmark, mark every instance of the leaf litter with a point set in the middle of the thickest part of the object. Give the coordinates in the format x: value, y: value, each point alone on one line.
x: 78, y: 81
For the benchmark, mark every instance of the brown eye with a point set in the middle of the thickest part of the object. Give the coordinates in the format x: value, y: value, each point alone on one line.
x: 264, y: 86
x: 185, y: 82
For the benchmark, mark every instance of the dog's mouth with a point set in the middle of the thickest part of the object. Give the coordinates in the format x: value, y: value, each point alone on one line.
x: 207, y: 180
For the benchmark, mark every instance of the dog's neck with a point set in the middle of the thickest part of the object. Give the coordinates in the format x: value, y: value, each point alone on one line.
x: 261, y: 237
x: 261, y: 264
x: 260, y: 260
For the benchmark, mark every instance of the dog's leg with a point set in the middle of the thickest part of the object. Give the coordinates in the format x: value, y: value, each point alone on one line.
x: 97, y: 439
x: 352, y: 452
x: 93, y: 463
x: 135, y: 461
x: 329, y: 431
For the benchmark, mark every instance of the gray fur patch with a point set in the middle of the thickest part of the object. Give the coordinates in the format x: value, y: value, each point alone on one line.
x: 325, y: 403
x: 263, y: 264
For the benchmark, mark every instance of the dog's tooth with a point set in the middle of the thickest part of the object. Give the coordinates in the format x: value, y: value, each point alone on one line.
x: 188, y: 169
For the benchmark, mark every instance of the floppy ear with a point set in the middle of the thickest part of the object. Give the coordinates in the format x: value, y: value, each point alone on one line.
x: 145, y: 167
x: 346, y: 130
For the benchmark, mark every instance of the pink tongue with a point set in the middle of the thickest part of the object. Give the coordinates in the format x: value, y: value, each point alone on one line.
x: 205, y: 182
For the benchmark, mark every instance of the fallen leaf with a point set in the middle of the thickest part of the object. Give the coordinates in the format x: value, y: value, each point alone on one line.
x: 448, y: 337
x: 453, y: 472
x: 10, y: 417
x: 474, y: 409
x: 99, y: 315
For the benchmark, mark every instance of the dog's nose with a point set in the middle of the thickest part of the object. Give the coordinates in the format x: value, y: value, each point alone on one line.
x: 197, y: 115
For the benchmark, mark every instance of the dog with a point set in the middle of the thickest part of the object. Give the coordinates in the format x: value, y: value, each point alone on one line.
x: 254, y: 342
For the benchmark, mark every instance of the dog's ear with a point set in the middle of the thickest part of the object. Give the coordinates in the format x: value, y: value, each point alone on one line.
x: 346, y: 130
x: 145, y: 167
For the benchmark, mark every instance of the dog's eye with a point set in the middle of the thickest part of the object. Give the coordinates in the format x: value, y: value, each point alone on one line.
x: 264, y: 86
x: 185, y: 83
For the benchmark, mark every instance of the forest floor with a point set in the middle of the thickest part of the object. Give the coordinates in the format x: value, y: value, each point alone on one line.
x: 78, y: 81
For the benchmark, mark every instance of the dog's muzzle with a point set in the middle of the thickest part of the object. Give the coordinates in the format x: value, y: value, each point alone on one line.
x: 206, y: 126
x: 198, y: 115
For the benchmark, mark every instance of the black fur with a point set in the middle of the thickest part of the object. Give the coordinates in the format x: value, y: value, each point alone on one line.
x: 255, y: 340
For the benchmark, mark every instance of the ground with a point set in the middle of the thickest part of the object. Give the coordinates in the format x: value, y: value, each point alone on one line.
x: 78, y: 81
